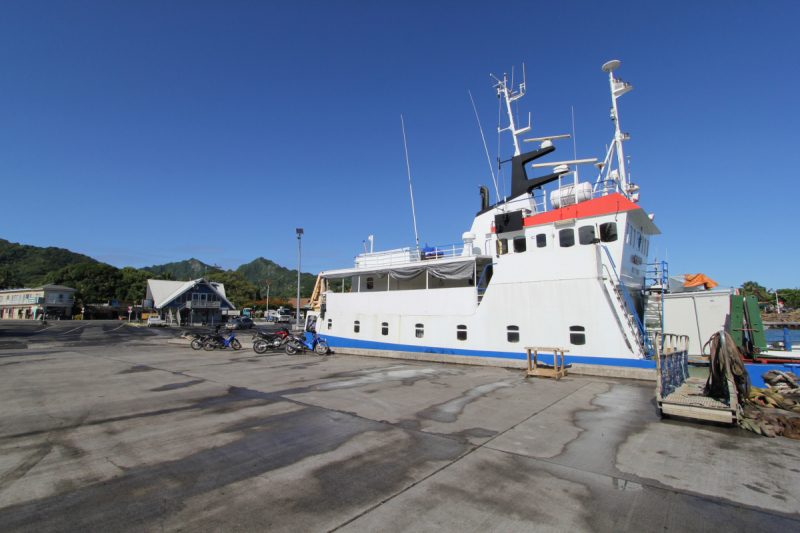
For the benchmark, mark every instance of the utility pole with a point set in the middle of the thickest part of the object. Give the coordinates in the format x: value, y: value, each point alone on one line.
x: 266, y: 306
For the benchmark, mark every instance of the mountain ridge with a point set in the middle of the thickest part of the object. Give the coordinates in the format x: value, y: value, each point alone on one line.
x: 28, y: 265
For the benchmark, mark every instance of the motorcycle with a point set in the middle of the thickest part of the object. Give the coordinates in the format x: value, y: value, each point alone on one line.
x: 218, y: 341
x: 300, y: 344
x: 196, y: 340
x: 262, y: 341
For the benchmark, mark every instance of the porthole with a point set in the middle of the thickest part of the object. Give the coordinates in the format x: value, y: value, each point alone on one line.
x: 541, y: 240
x: 330, y: 323
x: 370, y: 284
x: 384, y: 328
x: 512, y: 333
x: 356, y: 326
x: 461, y: 332
x: 420, y: 331
x: 576, y: 335
x: 520, y: 245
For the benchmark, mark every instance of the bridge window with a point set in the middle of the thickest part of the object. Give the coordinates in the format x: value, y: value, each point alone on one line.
x: 541, y: 240
x: 576, y: 335
x: 384, y: 328
x: 502, y: 246
x: 586, y: 234
x: 420, y: 330
x: 461, y: 332
x: 608, y: 232
x: 370, y: 284
x: 513, y: 333
x: 566, y: 238
x: 356, y: 326
x: 520, y: 244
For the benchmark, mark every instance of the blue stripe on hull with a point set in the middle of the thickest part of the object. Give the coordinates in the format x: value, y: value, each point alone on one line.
x: 340, y: 342
x: 755, y: 370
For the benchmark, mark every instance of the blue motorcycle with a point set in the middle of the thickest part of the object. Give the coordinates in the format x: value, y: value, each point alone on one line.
x: 300, y: 344
x: 218, y: 341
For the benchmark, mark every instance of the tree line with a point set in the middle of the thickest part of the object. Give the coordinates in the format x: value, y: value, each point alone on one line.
x: 99, y: 283
x: 788, y: 297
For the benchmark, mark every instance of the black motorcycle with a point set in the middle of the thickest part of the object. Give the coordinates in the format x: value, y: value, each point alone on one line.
x: 263, y: 341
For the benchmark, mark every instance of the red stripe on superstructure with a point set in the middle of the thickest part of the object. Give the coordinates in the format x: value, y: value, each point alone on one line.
x: 613, y: 203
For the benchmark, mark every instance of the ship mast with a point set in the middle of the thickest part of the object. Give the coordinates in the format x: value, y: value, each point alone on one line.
x: 508, y: 94
x: 618, y: 88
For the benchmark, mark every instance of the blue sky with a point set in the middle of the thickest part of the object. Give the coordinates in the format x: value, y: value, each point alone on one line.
x: 141, y: 133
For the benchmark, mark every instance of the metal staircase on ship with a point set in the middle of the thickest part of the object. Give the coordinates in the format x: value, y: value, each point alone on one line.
x: 656, y: 285
x: 625, y: 312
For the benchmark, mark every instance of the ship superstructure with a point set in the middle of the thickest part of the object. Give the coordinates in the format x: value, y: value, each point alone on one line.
x: 565, y: 269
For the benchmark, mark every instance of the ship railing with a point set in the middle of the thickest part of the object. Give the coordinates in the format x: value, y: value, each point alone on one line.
x: 534, y: 204
x: 657, y: 274
x: 645, y: 339
x: 412, y: 254
x: 480, y: 282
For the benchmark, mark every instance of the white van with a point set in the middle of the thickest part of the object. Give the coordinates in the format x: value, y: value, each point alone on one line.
x: 155, y: 320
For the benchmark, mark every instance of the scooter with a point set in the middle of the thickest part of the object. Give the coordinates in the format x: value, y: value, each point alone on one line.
x: 298, y: 344
x: 262, y: 341
x: 218, y: 341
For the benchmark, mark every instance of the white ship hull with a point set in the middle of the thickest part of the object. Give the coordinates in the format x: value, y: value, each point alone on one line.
x: 549, y: 296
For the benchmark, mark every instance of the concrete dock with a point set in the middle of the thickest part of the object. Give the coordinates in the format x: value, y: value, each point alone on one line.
x: 106, y: 429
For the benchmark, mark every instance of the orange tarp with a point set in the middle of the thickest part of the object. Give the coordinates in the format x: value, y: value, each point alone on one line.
x: 695, y: 280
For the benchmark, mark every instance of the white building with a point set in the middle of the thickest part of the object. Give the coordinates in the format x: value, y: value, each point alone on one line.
x: 32, y: 303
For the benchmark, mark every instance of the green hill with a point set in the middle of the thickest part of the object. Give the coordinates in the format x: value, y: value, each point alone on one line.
x: 190, y: 269
x: 284, y: 281
x: 25, y: 265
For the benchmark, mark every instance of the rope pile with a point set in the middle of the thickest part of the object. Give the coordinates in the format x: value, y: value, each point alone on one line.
x: 784, y: 383
x: 781, y: 386
x: 726, y: 363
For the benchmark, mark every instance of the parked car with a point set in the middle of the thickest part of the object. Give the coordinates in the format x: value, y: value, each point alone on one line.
x: 242, y: 322
x: 153, y: 320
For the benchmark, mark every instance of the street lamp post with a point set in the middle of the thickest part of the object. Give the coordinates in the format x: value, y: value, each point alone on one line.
x: 299, y: 234
x: 266, y: 306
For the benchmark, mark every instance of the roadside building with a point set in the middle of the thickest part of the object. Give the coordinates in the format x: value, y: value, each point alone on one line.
x: 33, y: 303
x: 191, y: 302
x: 305, y: 303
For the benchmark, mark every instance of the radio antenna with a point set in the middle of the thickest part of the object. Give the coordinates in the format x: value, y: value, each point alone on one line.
x: 489, y: 159
x: 413, y: 213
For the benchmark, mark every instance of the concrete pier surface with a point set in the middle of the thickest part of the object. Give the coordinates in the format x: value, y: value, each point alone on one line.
x: 115, y: 432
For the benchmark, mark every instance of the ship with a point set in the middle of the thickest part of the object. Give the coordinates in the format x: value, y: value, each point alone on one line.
x: 558, y: 263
